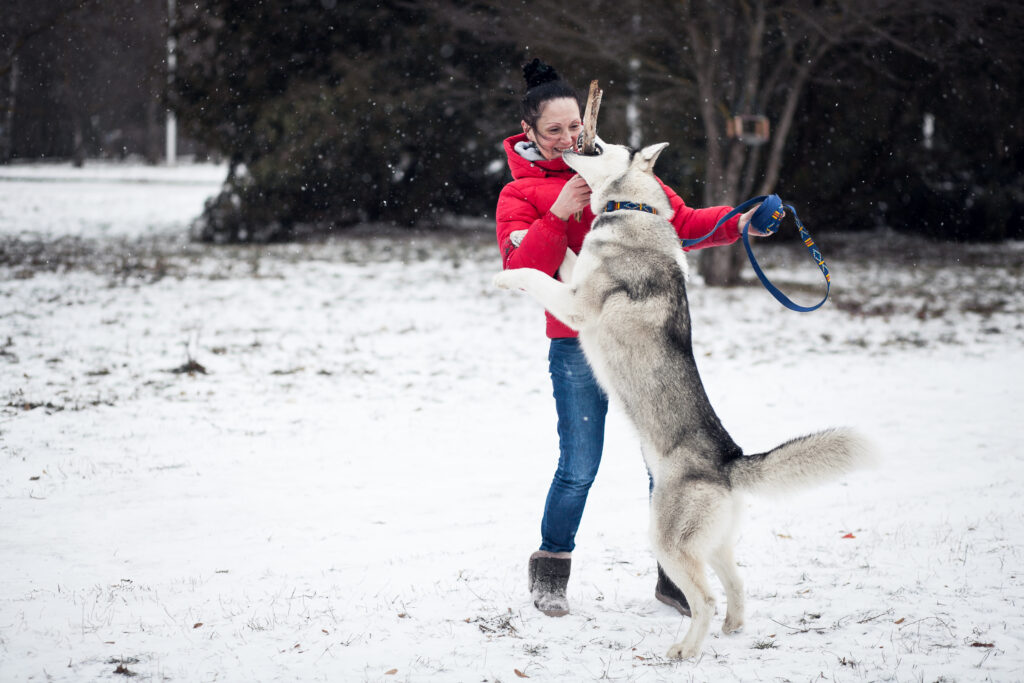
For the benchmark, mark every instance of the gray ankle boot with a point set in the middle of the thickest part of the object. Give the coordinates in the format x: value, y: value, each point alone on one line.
x: 669, y: 593
x: 549, y: 576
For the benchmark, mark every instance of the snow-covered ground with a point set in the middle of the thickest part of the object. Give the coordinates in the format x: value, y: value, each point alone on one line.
x: 351, y: 489
x: 102, y: 199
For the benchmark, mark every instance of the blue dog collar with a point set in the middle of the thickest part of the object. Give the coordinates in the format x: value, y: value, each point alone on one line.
x: 631, y: 206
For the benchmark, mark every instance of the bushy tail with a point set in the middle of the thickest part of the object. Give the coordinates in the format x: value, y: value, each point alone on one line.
x: 802, y: 462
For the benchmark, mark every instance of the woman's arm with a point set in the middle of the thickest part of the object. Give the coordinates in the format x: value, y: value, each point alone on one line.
x: 692, y: 223
x: 544, y: 245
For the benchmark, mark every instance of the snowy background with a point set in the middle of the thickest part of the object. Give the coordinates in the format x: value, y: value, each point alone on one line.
x: 327, y: 461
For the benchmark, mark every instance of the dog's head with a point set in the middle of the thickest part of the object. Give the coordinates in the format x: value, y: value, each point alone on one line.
x: 618, y: 173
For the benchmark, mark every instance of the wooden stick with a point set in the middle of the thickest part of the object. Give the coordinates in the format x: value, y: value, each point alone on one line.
x: 589, y: 135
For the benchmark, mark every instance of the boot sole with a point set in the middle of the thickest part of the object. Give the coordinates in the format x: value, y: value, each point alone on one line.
x: 554, y: 612
x: 674, y: 604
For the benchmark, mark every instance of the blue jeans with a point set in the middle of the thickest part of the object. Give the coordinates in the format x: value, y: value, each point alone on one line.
x: 582, y: 406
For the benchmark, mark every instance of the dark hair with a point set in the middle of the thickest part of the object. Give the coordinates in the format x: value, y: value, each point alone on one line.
x: 542, y: 84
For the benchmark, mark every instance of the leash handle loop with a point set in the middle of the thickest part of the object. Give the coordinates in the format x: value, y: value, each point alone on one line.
x: 769, y: 215
x: 767, y: 219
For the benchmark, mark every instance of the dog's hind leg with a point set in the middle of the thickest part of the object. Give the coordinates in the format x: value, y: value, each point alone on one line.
x: 557, y: 297
x: 724, y: 564
x: 688, y: 571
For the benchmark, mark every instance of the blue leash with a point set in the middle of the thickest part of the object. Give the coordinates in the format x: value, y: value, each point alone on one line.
x: 767, y: 219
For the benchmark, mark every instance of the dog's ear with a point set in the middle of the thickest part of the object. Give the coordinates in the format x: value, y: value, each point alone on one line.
x: 648, y: 155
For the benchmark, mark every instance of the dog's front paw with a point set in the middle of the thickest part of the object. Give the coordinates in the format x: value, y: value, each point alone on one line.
x: 503, y: 280
x: 683, y: 651
x: 508, y: 279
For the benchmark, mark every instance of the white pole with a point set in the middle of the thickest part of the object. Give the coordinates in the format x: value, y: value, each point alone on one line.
x: 633, y: 106
x: 172, y: 121
x: 633, y: 126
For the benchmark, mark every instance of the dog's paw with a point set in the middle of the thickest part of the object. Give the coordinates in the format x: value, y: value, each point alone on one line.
x: 504, y: 280
x: 683, y: 651
x: 732, y: 625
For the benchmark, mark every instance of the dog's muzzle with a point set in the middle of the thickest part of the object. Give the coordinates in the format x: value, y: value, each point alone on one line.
x: 579, y: 146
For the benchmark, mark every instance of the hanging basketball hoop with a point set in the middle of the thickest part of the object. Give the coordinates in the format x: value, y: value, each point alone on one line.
x: 750, y: 129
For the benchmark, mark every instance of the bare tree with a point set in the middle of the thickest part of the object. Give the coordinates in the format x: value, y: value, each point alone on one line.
x: 720, y: 59
x: 761, y: 57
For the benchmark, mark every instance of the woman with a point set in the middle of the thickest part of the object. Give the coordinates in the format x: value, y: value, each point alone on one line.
x: 552, y: 204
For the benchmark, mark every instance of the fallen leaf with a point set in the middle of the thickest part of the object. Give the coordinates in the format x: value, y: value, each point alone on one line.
x: 983, y: 644
x: 197, y: 624
x: 849, y: 536
x: 520, y: 673
x: 900, y: 620
x: 783, y: 535
x: 391, y: 672
x: 324, y: 631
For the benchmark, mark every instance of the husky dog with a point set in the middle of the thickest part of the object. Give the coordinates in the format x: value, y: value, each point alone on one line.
x: 626, y: 295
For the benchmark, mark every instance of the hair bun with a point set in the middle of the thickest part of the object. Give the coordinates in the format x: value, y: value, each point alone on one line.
x: 538, y: 73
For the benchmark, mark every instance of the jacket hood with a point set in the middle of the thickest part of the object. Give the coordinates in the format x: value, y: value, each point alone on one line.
x: 522, y: 167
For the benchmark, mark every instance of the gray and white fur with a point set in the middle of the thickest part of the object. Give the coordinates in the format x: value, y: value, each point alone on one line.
x: 626, y: 295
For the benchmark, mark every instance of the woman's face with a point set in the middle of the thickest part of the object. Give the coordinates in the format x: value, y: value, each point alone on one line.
x: 557, y: 127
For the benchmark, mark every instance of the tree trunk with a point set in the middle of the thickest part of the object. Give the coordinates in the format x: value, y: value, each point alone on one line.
x: 154, y: 131
x: 8, y: 103
x: 785, y: 123
x: 78, y: 141
x: 721, y: 266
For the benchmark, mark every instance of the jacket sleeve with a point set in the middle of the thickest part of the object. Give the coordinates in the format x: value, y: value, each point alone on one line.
x: 543, y: 247
x: 693, y: 223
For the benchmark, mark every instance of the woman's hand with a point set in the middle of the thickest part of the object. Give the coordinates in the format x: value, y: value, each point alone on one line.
x: 574, y: 197
x: 745, y: 220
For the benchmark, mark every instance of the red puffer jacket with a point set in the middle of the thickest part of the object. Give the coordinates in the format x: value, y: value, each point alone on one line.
x: 525, y: 202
